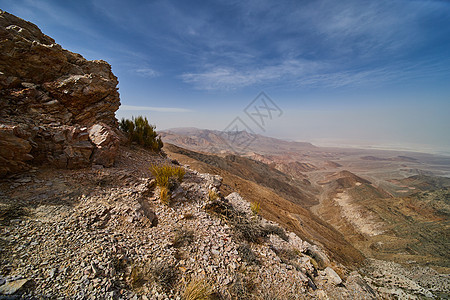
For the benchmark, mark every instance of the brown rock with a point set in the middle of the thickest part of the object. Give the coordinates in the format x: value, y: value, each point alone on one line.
x: 62, y: 146
x: 106, y: 142
x: 37, y: 73
x: 61, y: 106
x: 12, y: 287
x: 14, y: 151
x: 333, y: 276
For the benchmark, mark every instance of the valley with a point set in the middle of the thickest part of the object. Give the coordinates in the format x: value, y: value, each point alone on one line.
x: 383, y: 205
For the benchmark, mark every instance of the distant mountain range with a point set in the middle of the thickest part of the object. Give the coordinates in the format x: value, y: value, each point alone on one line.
x: 241, y: 142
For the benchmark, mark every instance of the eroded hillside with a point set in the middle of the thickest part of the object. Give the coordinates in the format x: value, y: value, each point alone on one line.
x: 385, y: 209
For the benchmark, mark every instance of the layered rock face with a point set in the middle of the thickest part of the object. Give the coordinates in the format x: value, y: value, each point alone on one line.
x: 56, y: 107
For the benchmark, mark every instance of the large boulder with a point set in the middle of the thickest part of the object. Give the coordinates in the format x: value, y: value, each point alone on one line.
x: 106, y: 142
x: 63, y: 104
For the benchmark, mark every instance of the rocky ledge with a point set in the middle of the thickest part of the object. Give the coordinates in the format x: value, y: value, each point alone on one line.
x: 103, y: 233
x: 56, y: 107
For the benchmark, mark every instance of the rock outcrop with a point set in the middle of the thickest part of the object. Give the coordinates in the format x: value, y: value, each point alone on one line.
x: 55, y: 106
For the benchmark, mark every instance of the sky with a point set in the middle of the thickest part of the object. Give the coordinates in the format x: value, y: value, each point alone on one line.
x: 352, y: 72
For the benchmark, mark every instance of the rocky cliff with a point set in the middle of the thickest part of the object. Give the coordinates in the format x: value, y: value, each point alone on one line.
x: 55, y: 106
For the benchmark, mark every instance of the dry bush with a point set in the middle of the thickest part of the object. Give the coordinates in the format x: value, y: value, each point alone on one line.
x: 245, y: 228
x: 119, y: 264
x: 272, y: 229
x: 182, y: 237
x: 198, y: 289
x: 247, y: 254
x: 287, y: 256
x: 249, y: 230
x: 137, y: 277
x: 242, y: 288
x: 8, y: 213
x: 222, y: 209
x: 188, y: 216
x: 277, y: 294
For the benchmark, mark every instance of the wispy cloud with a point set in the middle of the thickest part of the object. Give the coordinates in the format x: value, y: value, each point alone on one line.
x: 147, y: 72
x: 302, y: 73
x: 400, y: 72
x: 320, y: 44
x: 349, y: 78
x: 224, y: 78
x: 156, y: 109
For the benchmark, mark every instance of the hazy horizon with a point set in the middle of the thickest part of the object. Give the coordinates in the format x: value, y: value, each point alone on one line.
x: 371, y: 73
x: 343, y: 143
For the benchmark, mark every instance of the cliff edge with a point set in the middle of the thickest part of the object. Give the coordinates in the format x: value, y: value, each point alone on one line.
x: 56, y: 107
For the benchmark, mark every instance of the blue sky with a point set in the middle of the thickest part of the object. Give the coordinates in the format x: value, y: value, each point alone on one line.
x: 344, y: 72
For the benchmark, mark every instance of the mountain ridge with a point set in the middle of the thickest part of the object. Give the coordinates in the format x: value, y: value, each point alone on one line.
x: 226, y: 142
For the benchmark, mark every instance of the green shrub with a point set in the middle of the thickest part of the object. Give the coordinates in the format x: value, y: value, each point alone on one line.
x: 139, y: 131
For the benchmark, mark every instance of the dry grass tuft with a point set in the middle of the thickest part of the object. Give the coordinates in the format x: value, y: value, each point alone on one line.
x: 167, y: 178
x: 198, y: 289
x: 255, y: 207
x: 164, y: 173
x: 164, y: 195
x: 212, y: 195
x: 164, y: 274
